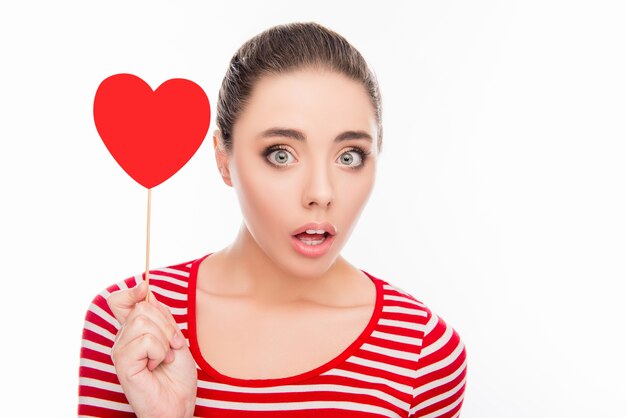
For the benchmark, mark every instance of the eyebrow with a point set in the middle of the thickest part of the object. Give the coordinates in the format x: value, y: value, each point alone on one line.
x: 299, y: 136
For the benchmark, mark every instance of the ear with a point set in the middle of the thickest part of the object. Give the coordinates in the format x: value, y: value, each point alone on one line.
x: 221, y: 158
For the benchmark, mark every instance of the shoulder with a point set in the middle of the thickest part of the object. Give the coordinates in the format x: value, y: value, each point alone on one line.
x: 440, y: 368
x: 169, y: 284
x: 440, y: 375
x: 404, y: 309
x: 435, y: 332
x: 429, y: 322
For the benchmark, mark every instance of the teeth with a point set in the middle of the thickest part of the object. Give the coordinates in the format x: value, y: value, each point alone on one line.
x: 313, y: 242
x: 309, y: 241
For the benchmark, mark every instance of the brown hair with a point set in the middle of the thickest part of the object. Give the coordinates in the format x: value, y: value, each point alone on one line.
x: 284, y: 48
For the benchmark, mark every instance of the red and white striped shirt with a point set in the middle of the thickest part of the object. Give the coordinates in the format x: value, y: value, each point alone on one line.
x: 406, y: 363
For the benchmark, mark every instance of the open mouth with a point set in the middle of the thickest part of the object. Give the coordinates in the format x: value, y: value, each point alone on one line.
x: 312, y: 239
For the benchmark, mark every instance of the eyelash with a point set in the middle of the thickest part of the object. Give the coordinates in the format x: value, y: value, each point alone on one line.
x: 362, y: 153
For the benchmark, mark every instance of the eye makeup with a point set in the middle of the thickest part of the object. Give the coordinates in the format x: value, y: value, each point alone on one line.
x: 361, y: 151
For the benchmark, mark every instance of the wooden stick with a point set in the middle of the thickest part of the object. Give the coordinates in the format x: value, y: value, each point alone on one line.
x: 148, y: 249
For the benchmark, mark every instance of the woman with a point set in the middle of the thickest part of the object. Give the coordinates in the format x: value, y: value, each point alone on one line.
x: 278, y: 320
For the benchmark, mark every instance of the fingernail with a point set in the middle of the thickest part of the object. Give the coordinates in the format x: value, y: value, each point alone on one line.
x: 178, y: 340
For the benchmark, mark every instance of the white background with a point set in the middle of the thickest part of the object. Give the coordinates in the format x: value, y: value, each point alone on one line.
x: 500, y: 201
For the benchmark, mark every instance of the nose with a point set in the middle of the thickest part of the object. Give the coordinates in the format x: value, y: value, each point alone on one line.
x: 318, y: 190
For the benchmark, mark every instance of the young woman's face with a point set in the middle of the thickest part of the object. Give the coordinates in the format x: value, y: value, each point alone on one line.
x: 283, y: 182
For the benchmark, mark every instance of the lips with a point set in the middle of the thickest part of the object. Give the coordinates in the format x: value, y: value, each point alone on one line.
x: 311, y: 237
x: 328, y: 227
x: 312, y: 250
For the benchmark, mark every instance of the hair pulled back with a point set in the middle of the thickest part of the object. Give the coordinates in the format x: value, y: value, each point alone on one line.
x: 286, y: 48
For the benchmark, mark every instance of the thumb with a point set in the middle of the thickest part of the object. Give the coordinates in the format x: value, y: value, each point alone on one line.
x: 122, y: 302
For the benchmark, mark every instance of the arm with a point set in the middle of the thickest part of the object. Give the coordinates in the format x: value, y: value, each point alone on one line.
x: 440, y: 381
x: 99, y: 390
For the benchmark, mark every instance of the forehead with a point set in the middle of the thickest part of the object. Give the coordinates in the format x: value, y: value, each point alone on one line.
x: 315, y: 100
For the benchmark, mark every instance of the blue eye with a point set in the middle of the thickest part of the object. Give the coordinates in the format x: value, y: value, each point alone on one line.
x: 281, y: 154
x: 278, y: 156
x: 347, y: 157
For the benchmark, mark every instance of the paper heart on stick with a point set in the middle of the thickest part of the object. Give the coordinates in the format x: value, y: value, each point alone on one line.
x: 151, y: 134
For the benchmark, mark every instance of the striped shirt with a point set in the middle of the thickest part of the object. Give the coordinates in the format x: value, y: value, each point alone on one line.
x: 406, y: 363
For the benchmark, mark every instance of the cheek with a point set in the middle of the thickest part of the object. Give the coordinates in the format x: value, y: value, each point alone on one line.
x: 263, y: 196
x: 353, y: 195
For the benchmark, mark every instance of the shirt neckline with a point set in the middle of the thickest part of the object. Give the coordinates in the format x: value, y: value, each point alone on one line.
x: 207, y: 368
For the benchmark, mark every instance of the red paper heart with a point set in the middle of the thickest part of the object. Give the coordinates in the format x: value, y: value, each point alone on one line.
x: 151, y: 134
